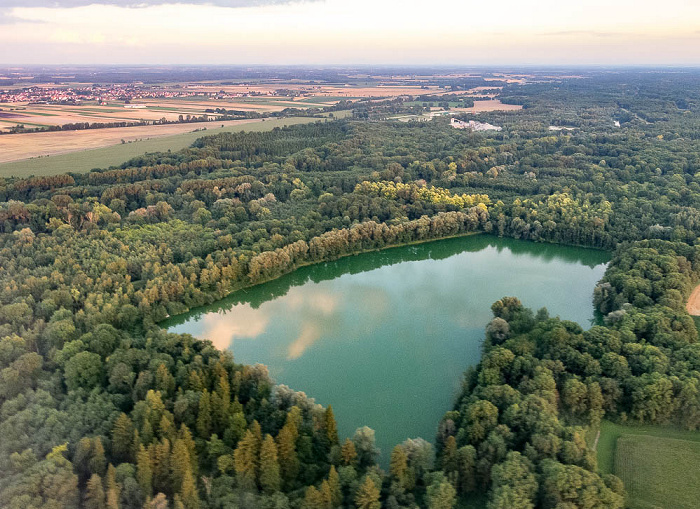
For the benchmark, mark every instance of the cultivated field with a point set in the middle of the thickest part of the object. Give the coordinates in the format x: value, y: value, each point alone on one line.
x: 86, y: 160
x: 644, y: 457
x: 16, y: 147
x: 659, y: 472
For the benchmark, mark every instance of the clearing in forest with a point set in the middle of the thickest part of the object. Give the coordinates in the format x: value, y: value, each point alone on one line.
x: 659, y: 472
x: 693, y: 304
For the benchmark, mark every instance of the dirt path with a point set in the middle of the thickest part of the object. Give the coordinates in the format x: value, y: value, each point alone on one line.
x: 693, y: 304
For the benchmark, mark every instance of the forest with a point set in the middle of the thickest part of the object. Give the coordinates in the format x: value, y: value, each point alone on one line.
x: 101, y: 408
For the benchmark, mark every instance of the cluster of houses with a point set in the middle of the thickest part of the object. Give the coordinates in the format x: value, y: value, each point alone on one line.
x: 107, y: 93
x: 473, y: 125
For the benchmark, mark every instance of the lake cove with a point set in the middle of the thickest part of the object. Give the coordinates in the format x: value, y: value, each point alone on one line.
x: 385, y: 336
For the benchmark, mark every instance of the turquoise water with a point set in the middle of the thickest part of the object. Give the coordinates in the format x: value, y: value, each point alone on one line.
x: 385, y: 336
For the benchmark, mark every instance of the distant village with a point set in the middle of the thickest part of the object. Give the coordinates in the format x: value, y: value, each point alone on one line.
x: 113, y: 93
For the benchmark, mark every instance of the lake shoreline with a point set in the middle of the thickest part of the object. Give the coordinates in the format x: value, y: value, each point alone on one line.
x: 405, y: 319
x: 366, y: 251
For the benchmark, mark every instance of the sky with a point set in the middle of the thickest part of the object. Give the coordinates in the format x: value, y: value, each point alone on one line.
x: 375, y: 32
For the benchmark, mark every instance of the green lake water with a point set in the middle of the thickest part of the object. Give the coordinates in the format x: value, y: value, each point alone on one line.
x: 385, y: 336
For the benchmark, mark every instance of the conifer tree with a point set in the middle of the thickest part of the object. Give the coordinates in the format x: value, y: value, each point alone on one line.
x: 112, y: 488
x: 221, y: 403
x: 367, y: 496
x: 179, y: 464
x: 257, y: 433
x: 204, y: 415
x: 94, y: 494
x: 188, y: 491
x: 166, y: 428
x: 98, y: 462
x: 348, y: 452
x: 185, y: 435
x: 287, y: 452
x: 81, y: 459
x: 312, y: 499
x: 334, y: 484
x: 246, y: 461
x: 165, y: 382
x: 449, y: 460
x: 194, y: 382
x: 122, y: 438
x: 326, y: 495
x: 146, y: 432
x: 330, y: 426
x: 135, y: 444
x: 269, y: 475
x: 398, y: 466
x: 161, y: 466
x: 144, y: 471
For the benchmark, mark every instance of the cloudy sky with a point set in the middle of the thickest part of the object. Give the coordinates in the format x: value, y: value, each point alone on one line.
x: 466, y: 32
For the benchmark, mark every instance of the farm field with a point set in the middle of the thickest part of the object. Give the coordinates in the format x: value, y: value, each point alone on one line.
x: 86, y: 160
x: 659, y: 472
x: 170, y: 109
x: 250, y: 98
x: 657, y: 464
x: 45, y: 115
x: 16, y: 147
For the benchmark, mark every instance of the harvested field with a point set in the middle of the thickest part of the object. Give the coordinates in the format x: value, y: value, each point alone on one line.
x: 15, y: 147
x: 86, y: 160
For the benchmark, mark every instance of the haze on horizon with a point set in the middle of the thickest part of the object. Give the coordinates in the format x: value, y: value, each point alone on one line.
x: 439, y: 32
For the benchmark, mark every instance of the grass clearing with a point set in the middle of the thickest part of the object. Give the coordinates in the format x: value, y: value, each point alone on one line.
x: 659, y: 472
x: 86, y: 160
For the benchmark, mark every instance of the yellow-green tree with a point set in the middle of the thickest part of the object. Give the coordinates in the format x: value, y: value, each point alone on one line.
x: 348, y: 453
x: 269, y: 475
x: 246, y: 461
x: 94, y: 494
x: 367, y: 496
x: 122, y: 438
x: 144, y: 472
x: 330, y: 426
x: 287, y: 451
x: 334, y: 484
x: 398, y: 466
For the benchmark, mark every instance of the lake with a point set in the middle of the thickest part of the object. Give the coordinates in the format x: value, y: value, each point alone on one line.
x: 385, y: 336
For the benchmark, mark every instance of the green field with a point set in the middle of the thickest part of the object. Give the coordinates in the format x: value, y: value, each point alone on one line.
x: 653, y: 461
x: 117, y: 154
x: 659, y: 472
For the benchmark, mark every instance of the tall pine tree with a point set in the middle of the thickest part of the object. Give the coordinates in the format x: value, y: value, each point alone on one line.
x: 269, y: 475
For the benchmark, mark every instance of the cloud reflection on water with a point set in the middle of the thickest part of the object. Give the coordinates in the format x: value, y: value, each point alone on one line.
x: 245, y: 323
x: 317, y: 313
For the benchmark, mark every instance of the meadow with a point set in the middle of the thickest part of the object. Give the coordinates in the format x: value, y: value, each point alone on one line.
x: 659, y: 472
x: 657, y: 464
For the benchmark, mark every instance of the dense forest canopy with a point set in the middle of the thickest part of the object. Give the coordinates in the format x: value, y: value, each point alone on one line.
x: 100, y: 408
